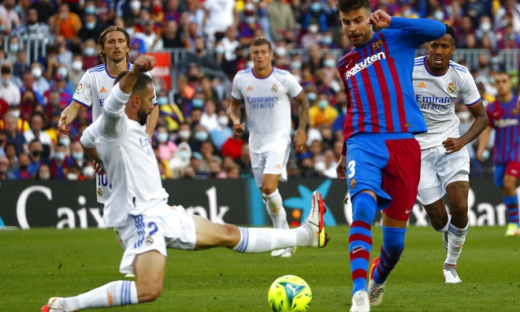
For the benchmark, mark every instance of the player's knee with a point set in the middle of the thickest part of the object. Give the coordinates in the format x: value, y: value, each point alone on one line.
x: 438, y: 223
x: 230, y: 236
x: 509, y: 188
x: 149, y: 293
x: 269, y: 189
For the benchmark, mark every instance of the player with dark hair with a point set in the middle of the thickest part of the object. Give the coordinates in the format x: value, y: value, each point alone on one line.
x: 504, y: 117
x: 383, y: 159
x: 96, y: 84
x: 438, y: 84
x: 138, y: 207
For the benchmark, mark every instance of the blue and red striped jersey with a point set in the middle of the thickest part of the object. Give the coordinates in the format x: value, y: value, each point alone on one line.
x: 505, y: 119
x: 378, y: 79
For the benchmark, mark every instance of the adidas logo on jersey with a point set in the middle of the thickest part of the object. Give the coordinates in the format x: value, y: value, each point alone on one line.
x: 421, y: 85
x: 102, y: 90
x: 249, y: 88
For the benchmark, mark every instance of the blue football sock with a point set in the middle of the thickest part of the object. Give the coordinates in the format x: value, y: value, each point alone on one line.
x: 511, y: 203
x: 393, y: 245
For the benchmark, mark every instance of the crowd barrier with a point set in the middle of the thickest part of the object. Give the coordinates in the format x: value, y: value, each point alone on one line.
x: 72, y: 204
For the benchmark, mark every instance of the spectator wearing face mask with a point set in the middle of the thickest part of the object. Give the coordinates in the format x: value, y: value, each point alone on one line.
x: 315, y: 16
x: 35, y: 156
x: 9, y: 92
x: 40, y: 84
x: 322, y: 113
x: 44, y: 173
x: 76, y: 69
x: 22, y: 173
x: 180, y: 160
x: 209, y: 118
x: 222, y: 132
x: 92, y: 27
x: 36, y: 132
x: 312, y: 37
x: 88, y: 171
x: 166, y: 147
x: 78, y: 156
x: 170, y: 112
x: 65, y: 23
x: 60, y: 162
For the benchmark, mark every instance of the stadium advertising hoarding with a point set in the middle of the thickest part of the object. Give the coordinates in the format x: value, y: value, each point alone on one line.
x: 72, y: 204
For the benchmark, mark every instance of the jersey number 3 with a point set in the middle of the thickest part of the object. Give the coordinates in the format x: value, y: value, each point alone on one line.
x: 351, y: 169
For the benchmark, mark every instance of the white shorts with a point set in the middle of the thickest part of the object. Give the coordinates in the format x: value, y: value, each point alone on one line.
x: 438, y: 170
x: 103, y: 189
x: 272, y: 162
x: 157, y: 229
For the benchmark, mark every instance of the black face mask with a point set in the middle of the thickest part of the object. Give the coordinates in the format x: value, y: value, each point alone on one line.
x: 23, y: 167
x: 2, y: 142
x: 36, y: 153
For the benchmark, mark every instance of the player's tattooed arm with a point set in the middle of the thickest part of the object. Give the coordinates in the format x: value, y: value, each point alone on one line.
x: 299, y: 138
x: 235, y: 113
x: 478, y: 111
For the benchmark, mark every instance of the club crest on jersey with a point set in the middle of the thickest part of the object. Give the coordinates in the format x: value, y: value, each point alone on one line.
x: 376, y: 45
x: 451, y: 88
x: 79, y: 88
x: 99, y: 192
x: 149, y: 240
x: 352, y: 183
x: 274, y: 88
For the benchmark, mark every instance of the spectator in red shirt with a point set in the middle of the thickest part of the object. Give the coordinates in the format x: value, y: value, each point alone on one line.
x: 233, y: 147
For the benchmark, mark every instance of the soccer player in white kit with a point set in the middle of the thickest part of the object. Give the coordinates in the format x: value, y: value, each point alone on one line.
x: 438, y: 83
x: 265, y: 90
x: 95, y: 86
x: 138, y: 205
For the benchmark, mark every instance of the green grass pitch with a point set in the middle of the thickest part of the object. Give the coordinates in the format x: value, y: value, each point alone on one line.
x: 41, y: 263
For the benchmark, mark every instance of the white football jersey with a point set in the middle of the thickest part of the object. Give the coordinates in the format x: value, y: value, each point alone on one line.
x: 92, y: 91
x: 128, y: 159
x: 94, y: 88
x: 436, y: 95
x: 268, y: 107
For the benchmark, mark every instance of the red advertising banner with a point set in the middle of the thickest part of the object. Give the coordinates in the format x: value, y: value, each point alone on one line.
x: 162, y: 68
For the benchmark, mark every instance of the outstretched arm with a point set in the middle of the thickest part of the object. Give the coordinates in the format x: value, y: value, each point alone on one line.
x: 299, y: 138
x: 478, y: 111
x: 70, y: 113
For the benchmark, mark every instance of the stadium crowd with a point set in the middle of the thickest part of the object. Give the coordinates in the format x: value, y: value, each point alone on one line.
x: 193, y: 138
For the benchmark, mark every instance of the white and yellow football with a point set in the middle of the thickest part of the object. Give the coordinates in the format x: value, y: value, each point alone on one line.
x: 289, y: 293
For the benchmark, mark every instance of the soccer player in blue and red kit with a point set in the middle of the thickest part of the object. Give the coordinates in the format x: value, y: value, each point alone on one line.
x: 383, y: 159
x: 504, y: 117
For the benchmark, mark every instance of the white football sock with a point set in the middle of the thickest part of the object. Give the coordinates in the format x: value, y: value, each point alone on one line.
x: 113, y: 294
x: 456, y: 238
x: 256, y: 240
x: 274, y: 206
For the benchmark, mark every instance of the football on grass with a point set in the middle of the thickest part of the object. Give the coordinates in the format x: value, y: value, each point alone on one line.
x: 289, y: 293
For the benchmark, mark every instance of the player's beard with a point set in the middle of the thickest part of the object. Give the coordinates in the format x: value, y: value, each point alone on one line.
x: 142, y: 116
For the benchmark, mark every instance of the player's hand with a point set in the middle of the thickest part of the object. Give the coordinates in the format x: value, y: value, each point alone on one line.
x: 238, y: 127
x: 63, y: 125
x: 299, y: 140
x: 144, y: 63
x: 379, y: 19
x: 98, y: 168
x: 453, y: 145
x: 341, y: 168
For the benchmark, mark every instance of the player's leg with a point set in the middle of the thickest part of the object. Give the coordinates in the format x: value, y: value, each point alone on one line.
x: 510, y: 177
x: 365, y: 159
x: 458, y: 226
x: 400, y: 180
x: 256, y: 240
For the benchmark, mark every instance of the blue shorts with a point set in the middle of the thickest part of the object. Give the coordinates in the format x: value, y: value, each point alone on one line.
x: 512, y: 168
x: 387, y: 164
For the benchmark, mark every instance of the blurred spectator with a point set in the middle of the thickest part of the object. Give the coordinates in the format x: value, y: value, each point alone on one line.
x: 76, y: 69
x: 92, y: 26
x: 9, y: 15
x: 36, y: 132
x: 180, y: 160
x: 508, y: 39
x: 165, y: 146
x: 44, y: 173
x: 40, y: 85
x: 248, y: 25
x: 322, y: 112
x: 88, y: 171
x: 476, y: 9
x: 220, y: 15
x: 209, y: 116
x: 4, y: 163
x: 312, y: 38
x: 90, y: 57
x: 511, y: 11
x: 65, y: 23
x: 44, y: 9
x: 485, y: 30
x: 173, y: 37
x: 14, y: 45
x: 281, y: 17
x: 185, y: 136
x: 13, y: 135
x: 12, y: 159
x: 60, y: 162
x: 169, y: 111
x: 200, y: 58
x: 35, y: 156
x: 78, y: 156
x: 32, y: 27
x: 22, y: 173
x: 207, y: 152
x: 233, y: 147
x: 315, y: 16
x: 21, y: 65
x: 330, y: 165
x: 28, y: 104
x: 196, y: 15
x: 73, y: 172
x: 9, y: 92
x: 151, y: 41
x: 465, y: 28
x: 222, y: 132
